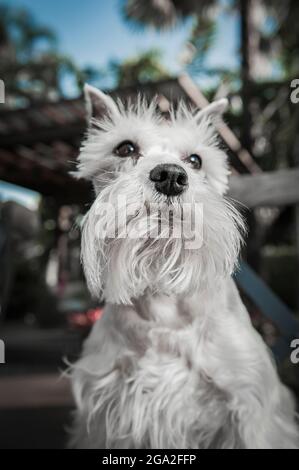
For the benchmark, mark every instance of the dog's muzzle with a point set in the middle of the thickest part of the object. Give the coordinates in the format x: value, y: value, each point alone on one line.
x: 169, y: 179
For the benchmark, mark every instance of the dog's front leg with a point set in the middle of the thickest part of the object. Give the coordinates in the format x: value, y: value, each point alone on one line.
x: 99, y: 377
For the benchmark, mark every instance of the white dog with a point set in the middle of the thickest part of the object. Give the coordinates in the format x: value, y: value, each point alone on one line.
x: 174, y: 362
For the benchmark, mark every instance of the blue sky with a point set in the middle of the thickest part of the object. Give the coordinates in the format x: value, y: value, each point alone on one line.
x: 92, y: 32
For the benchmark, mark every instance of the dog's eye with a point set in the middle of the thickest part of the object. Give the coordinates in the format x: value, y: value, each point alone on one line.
x: 126, y: 149
x: 195, y: 161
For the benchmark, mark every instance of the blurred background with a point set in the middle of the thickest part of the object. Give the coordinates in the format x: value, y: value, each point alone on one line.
x: 196, y: 50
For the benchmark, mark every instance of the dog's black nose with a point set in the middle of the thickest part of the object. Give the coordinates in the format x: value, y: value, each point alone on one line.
x: 169, y: 179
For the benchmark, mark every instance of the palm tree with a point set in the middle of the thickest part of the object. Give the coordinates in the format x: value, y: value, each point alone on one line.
x: 30, y: 73
x: 164, y: 13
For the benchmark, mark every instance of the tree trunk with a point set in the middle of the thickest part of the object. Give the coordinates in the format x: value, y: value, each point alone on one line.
x: 254, y: 240
x: 245, y: 72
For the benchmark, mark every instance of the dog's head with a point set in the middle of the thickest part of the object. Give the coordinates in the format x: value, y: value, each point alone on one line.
x: 160, y: 220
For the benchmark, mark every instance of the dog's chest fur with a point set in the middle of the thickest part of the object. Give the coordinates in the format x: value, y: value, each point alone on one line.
x: 155, y: 393
x: 169, y: 373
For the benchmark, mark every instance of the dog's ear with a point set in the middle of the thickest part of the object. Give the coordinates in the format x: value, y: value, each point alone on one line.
x: 98, y: 104
x: 213, y: 111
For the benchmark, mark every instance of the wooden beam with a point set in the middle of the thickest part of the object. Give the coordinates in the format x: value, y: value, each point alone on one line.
x: 46, y: 135
x: 61, y: 187
x: 277, y: 188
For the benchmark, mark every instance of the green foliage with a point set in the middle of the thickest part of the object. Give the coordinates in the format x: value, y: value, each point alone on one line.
x: 163, y: 14
x: 202, y: 38
x: 33, y: 68
x: 30, y: 64
x: 145, y: 67
x: 284, y: 36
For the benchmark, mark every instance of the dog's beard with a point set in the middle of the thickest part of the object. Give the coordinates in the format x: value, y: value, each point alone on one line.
x: 134, y: 240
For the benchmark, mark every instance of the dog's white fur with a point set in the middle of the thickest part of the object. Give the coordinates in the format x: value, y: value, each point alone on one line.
x: 174, y: 362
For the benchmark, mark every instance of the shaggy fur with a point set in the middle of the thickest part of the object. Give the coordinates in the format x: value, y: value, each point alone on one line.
x: 174, y: 362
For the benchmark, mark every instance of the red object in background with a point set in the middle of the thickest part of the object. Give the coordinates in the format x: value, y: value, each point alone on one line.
x: 85, y: 319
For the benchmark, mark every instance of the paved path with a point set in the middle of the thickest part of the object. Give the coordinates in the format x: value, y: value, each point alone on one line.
x: 34, y: 391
